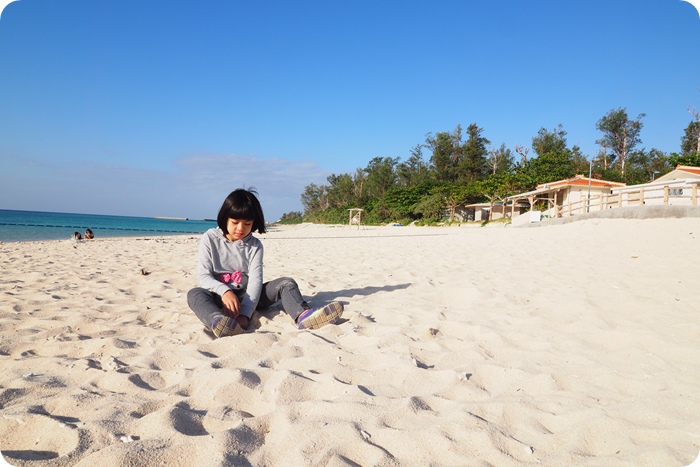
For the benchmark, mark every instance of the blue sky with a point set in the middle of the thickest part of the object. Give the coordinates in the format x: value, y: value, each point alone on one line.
x: 162, y: 107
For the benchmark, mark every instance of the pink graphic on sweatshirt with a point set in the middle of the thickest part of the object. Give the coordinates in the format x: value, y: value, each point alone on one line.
x: 235, y: 277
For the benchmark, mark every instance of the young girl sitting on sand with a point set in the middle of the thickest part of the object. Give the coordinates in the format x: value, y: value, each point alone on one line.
x: 231, y: 278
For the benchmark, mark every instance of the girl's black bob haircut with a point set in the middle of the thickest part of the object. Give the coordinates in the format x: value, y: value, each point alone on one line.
x: 242, y: 204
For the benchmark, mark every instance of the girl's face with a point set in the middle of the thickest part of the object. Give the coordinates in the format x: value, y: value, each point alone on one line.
x: 238, y: 228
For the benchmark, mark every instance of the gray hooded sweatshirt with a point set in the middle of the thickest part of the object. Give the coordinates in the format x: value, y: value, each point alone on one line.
x: 219, y: 261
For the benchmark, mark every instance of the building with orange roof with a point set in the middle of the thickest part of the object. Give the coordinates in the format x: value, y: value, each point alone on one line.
x: 565, y: 197
x: 580, y: 194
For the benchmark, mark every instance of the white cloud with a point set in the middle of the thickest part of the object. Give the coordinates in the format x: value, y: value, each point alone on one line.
x: 193, y: 186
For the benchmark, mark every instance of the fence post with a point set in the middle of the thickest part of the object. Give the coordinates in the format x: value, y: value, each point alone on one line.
x: 666, y: 194
x: 641, y: 196
x: 695, y: 194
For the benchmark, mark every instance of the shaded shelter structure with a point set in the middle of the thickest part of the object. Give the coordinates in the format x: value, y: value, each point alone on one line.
x: 479, y: 212
x: 355, y: 217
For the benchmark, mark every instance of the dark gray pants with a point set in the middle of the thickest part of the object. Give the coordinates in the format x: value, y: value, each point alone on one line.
x: 207, y: 305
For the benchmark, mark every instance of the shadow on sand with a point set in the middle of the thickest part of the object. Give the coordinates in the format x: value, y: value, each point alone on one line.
x: 324, y: 298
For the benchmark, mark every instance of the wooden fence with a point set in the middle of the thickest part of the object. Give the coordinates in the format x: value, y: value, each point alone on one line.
x: 678, y: 195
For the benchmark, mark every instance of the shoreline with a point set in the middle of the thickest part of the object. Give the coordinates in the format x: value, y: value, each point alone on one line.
x: 31, y: 225
x: 631, y: 212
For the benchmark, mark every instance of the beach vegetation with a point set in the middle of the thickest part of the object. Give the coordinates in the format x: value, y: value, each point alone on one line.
x: 500, y: 160
x: 620, y: 136
x: 690, y: 144
x: 415, y: 171
x: 293, y: 217
x: 380, y: 176
x: 500, y: 220
x: 405, y: 198
x: 691, y: 159
x: 452, y: 169
x: 430, y: 207
x: 427, y: 222
x: 456, y: 160
x: 328, y: 216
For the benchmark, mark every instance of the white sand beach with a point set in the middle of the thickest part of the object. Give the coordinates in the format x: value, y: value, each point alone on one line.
x: 574, y: 344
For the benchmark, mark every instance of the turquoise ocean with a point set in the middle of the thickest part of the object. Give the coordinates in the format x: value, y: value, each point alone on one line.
x: 24, y: 226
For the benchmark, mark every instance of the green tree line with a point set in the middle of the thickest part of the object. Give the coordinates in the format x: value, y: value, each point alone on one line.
x: 453, y: 168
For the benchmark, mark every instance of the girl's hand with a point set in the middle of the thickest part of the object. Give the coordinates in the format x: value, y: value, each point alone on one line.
x: 231, y: 303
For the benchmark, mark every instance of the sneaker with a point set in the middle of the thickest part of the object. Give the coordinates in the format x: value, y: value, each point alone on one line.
x: 314, y: 318
x: 223, y: 326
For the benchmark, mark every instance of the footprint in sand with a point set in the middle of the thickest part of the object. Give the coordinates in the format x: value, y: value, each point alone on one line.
x: 37, y: 437
x: 224, y: 418
x: 124, y: 344
x: 249, y: 378
x: 10, y: 395
x: 242, y: 441
x: 416, y: 404
x: 188, y: 421
x: 151, y: 381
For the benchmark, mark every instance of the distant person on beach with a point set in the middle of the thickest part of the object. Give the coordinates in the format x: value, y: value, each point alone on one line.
x: 230, y: 274
x: 77, y: 236
x: 88, y: 234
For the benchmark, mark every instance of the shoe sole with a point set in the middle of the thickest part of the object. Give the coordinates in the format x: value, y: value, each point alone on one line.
x: 329, y: 314
x: 227, y: 326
